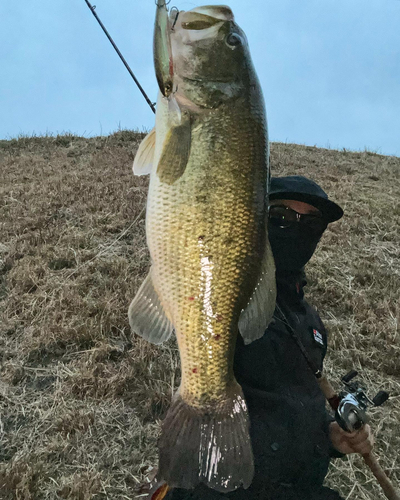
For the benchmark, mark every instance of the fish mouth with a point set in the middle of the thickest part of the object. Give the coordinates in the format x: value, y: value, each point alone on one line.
x: 205, y: 17
x: 220, y: 12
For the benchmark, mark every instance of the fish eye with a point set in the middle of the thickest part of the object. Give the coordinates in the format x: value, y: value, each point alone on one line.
x: 234, y: 40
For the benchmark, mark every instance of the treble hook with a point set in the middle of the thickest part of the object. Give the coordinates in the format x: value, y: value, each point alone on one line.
x: 164, y: 4
x: 173, y: 9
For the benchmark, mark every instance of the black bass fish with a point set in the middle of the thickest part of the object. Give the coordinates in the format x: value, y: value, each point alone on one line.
x: 212, y: 271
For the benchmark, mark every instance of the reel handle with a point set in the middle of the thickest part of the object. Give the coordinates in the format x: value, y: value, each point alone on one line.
x: 369, y: 458
x: 380, y: 398
x: 349, y: 376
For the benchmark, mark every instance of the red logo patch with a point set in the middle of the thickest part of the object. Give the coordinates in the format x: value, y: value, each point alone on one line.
x: 318, y: 337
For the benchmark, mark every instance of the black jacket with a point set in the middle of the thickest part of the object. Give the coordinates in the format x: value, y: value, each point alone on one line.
x: 289, y: 421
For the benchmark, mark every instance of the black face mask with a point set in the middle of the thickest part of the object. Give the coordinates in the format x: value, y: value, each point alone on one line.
x: 292, y: 246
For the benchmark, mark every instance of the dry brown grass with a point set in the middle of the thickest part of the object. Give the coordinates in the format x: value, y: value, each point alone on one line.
x: 80, y: 399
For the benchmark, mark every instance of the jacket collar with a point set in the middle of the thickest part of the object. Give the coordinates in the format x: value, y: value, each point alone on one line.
x: 290, y: 286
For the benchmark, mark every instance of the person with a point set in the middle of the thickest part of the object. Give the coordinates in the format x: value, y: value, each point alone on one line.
x: 293, y: 435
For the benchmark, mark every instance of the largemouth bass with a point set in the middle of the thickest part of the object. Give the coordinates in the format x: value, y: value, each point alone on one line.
x: 212, y: 272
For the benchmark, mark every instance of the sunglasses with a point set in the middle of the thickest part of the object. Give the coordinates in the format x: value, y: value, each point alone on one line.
x: 284, y: 217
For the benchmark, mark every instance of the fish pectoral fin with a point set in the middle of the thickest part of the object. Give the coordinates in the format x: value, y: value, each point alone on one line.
x: 176, y: 151
x: 143, y: 162
x: 255, y: 318
x: 207, y: 444
x: 146, y: 315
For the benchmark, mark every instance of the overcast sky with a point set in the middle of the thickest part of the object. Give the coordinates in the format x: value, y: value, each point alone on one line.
x: 329, y: 69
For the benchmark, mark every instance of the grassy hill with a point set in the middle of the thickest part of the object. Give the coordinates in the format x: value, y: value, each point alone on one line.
x: 80, y: 398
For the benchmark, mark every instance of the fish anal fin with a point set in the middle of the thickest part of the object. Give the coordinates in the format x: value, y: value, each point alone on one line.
x: 143, y: 162
x: 257, y: 315
x: 210, y: 446
x: 175, y: 152
x: 146, y: 315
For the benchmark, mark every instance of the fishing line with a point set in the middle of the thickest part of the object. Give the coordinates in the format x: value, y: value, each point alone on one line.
x: 104, y: 250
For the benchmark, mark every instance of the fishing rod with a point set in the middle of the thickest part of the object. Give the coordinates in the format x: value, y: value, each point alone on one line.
x: 92, y: 8
x: 350, y: 411
x: 350, y: 407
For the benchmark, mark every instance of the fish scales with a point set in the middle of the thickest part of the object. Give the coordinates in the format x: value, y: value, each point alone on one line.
x: 205, y: 235
x: 212, y: 270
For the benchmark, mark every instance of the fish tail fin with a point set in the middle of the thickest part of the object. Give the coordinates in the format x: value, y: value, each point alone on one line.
x: 210, y: 446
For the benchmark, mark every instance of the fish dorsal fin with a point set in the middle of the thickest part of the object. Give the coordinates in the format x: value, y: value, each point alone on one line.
x: 255, y: 318
x: 176, y: 150
x: 143, y: 162
x: 146, y: 314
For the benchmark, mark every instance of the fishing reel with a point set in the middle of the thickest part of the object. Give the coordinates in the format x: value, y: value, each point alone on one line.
x: 351, y: 414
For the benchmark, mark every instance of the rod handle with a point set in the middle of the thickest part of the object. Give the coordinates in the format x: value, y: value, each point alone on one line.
x: 328, y: 391
x: 381, y: 476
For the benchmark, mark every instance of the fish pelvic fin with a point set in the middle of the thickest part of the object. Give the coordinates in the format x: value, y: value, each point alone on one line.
x: 257, y: 315
x: 207, y: 445
x: 146, y: 314
x: 143, y: 162
x: 175, y: 151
